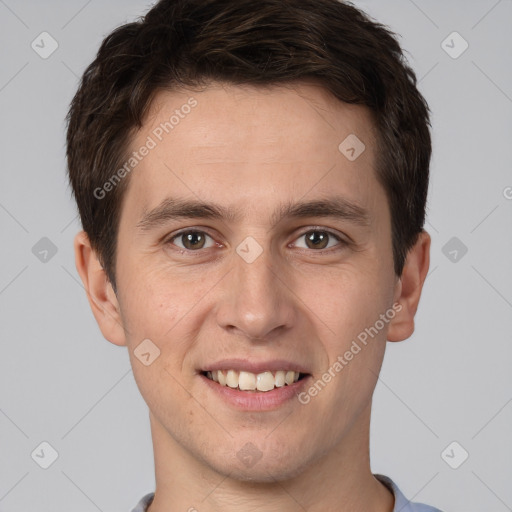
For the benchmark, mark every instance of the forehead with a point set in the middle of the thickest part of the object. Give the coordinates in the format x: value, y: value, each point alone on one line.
x: 231, y: 142
x: 307, y: 109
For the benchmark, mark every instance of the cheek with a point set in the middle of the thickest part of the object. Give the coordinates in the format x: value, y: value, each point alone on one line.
x: 151, y: 305
x: 165, y: 392
x: 349, y: 308
x: 157, y: 306
x: 347, y: 300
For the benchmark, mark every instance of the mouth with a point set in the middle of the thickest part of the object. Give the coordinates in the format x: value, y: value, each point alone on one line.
x: 254, y: 382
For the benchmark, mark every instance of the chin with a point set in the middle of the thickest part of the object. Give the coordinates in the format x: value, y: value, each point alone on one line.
x: 251, y: 465
x: 263, y: 473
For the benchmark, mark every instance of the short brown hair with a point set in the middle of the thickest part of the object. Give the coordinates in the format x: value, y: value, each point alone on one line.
x: 193, y: 42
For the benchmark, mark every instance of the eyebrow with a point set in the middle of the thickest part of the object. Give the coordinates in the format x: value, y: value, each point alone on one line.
x: 175, y: 208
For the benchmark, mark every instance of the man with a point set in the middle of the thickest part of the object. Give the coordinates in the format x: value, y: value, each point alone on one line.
x: 251, y: 180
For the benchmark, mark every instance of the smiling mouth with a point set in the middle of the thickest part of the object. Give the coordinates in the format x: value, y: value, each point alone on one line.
x: 247, y: 381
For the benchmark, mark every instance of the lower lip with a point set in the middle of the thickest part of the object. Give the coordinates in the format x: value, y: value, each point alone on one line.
x: 257, y: 400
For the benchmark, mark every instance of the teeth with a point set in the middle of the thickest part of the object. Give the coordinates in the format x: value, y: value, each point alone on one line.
x: 247, y: 381
x: 232, y: 379
x: 221, y: 378
x: 265, y: 381
x: 280, y: 376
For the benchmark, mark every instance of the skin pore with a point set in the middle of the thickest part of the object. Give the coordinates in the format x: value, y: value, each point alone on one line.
x: 254, y: 151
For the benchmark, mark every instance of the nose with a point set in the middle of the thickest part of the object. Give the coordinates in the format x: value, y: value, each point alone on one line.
x: 255, y: 300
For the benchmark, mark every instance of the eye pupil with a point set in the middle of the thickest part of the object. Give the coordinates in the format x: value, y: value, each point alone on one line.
x: 195, y: 240
x: 317, y: 238
x: 191, y: 239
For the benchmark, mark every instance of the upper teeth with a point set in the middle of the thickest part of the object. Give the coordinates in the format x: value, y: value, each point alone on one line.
x: 247, y: 381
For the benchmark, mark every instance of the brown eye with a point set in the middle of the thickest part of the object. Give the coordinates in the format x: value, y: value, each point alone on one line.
x: 319, y: 239
x: 191, y: 240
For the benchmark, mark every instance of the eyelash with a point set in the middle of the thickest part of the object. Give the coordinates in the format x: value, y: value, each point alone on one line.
x: 340, y: 245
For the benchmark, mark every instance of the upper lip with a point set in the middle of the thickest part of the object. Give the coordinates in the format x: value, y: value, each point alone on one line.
x: 272, y: 365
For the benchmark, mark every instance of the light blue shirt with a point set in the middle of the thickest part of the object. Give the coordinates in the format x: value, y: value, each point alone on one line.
x: 402, y: 504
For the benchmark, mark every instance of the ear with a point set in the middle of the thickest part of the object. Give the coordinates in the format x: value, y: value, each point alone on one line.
x: 101, y: 295
x: 408, y: 288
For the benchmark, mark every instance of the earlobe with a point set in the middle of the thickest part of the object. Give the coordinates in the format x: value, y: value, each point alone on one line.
x: 101, y: 296
x: 409, y: 287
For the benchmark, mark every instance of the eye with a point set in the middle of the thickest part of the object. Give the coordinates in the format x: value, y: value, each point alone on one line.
x: 320, y: 239
x: 195, y: 240
x: 191, y: 240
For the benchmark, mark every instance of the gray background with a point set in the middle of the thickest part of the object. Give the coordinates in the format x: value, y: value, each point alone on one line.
x: 62, y: 383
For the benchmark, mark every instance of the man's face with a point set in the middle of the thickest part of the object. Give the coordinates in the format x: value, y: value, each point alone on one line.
x: 258, y: 291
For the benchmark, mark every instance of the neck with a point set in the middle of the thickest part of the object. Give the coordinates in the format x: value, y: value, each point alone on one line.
x: 339, y: 480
